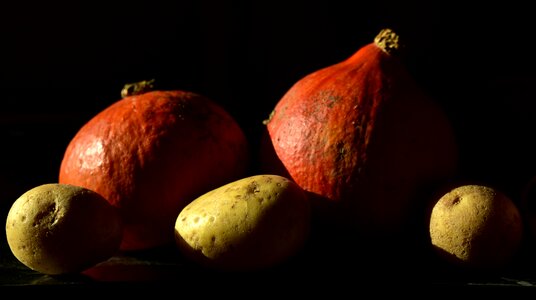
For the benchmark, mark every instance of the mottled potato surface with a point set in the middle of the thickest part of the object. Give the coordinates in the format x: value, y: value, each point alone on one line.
x: 476, y: 226
x: 60, y: 228
x: 252, y: 223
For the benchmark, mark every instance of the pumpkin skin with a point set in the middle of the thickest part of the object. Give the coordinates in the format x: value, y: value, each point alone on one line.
x: 363, y: 139
x: 151, y: 154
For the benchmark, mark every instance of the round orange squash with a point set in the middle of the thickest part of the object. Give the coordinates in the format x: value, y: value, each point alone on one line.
x: 150, y: 154
x: 363, y: 139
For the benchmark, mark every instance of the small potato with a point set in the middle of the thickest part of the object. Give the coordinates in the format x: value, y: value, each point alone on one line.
x: 252, y: 223
x: 59, y: 228
x: 476, y: 226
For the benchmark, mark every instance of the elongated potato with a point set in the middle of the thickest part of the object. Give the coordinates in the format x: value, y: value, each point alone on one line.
x: 252, y: 223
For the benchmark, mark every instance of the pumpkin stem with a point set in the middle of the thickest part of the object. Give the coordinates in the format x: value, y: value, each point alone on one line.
x: 388, y: 41
x: 265, y: 122
x: 137, y: 88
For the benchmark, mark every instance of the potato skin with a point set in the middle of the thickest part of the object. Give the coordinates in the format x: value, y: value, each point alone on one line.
x: 476, y: 226
x: 59, y: 228
x: 252, y: 223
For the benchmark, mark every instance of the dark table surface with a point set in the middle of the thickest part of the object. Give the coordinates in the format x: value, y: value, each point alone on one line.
x: 309, y: 274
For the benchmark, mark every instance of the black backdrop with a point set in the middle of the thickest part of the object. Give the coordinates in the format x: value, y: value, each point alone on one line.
x: 62, y: 62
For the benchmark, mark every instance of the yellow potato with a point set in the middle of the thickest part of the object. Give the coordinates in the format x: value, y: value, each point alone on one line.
x: 58, y: 229
x: 476, y: 226
x: 252, y: 223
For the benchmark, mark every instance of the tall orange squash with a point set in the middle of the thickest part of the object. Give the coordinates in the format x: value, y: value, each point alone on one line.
x: 363, y: 139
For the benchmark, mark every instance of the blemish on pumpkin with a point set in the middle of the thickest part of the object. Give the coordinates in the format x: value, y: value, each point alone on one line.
x: 358, y: 128
x: 341, y: 151
x: 330, y: 100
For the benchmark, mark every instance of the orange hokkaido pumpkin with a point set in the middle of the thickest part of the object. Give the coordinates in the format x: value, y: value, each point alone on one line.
x: 150, y: 154
x: 363, y: 139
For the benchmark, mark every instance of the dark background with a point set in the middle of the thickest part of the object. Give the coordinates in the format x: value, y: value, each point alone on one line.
x: 62, y: 62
